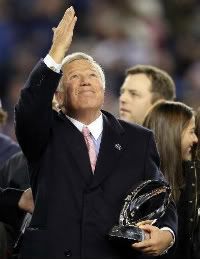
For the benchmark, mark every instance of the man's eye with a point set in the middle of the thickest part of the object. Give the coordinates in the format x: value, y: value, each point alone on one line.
x: 93, y: 75
x: 74, y: 76
x: 132, y: 93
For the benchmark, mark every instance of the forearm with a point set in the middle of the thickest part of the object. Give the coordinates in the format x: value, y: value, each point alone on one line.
x: 34, y: 109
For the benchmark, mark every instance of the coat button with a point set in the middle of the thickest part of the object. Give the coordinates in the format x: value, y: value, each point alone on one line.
x: 193, y: 184
x: 67, y: 253
x: 191, y: 219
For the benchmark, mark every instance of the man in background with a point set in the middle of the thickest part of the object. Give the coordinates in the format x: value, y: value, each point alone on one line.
x: 143, y: 86
x: 7, y: 146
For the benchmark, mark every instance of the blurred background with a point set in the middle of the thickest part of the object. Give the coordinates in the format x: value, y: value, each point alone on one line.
x: 118, y: 34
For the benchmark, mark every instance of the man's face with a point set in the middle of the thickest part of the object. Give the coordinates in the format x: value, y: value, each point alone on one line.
x: 135, y: 98
x: 83, y: 87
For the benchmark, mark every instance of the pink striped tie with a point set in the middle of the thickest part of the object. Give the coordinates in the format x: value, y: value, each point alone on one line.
x: 90, y: 146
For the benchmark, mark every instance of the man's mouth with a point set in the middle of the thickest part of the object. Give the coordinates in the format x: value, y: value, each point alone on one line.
x: 123, y: 110
x: 86, y: 91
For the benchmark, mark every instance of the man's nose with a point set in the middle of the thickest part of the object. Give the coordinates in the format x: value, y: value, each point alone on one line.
x: 195, y: 139
x: 123, y: 97
x: 85, y: 80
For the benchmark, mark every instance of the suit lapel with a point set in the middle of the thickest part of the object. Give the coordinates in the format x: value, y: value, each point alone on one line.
x: 111, y: 149
x: 76, y: 145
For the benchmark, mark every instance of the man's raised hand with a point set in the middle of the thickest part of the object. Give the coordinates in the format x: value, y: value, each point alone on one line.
x: 63, y: 36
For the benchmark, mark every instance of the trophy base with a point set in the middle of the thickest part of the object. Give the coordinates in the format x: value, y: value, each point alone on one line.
x: 129, y: 234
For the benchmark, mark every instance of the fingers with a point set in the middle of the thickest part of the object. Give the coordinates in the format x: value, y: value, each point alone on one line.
x: 148, y: 228
x: 66, y: 25
x: 150, y: 250
x: 159, y: 241
x: 142, y: 245
x: 72, y: 24
x: 67, y: 17
x: 150, y: 222
x: 147, y: 247
x: 62, y: 35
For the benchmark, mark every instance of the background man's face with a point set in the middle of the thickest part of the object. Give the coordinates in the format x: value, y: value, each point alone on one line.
x: 135, y: 98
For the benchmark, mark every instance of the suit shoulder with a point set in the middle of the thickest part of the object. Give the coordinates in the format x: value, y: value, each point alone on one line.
x: 130, y: 130
x: 136, y: 128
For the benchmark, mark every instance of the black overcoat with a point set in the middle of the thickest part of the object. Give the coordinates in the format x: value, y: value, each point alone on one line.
x: 74, y: 209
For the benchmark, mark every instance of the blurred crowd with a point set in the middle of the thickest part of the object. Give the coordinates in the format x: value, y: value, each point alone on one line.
x: 118, y: 34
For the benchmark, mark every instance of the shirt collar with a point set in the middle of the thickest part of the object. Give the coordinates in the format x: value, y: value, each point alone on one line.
x: 96, y: 127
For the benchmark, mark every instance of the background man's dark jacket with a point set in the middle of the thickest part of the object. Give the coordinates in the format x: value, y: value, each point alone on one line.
x: 74, y: 209
x: 7, y: 148
x: 14, y: 179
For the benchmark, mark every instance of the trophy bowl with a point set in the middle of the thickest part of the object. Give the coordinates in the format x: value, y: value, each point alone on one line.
x: 148, y: 201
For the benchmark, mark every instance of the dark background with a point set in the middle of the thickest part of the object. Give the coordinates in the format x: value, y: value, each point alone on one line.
x: 117, y: 33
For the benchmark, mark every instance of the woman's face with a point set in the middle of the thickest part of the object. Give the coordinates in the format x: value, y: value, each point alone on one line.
x: 188, y: 139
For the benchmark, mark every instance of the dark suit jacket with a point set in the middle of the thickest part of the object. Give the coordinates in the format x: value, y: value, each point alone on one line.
x: 14, y: 179
x: 75, y: 210
x: 7, y: 148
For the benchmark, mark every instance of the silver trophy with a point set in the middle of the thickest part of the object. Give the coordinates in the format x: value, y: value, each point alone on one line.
x: 146, y: 202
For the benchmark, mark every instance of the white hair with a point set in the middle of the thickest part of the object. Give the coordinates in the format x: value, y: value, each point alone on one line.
x: 83, y: 56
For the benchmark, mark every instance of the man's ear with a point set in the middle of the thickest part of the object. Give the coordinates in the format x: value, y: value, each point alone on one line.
x: 59, y: 97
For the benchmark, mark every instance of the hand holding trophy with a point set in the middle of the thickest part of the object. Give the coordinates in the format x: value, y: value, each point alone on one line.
x: 147, y: 202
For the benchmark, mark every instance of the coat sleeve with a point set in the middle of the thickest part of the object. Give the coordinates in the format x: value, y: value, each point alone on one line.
x: 169, y: 219
x: 33, y: 112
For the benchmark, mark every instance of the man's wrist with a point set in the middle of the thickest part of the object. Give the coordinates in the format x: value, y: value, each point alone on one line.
x: 172, y: 241
x: 50, y: 63
x: 170, y: 230
x: 56, y: 54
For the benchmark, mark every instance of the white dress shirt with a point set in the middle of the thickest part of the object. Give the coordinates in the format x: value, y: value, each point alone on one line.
x: 95, y: 128
x: 52, y: 64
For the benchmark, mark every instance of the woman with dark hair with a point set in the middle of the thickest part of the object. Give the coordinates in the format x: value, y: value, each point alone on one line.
x: 173, y: 124
x: 197, y: 131
x: 194, y: 170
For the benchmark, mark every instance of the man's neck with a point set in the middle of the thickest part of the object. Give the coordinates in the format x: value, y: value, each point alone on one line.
x: 86, y: 117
